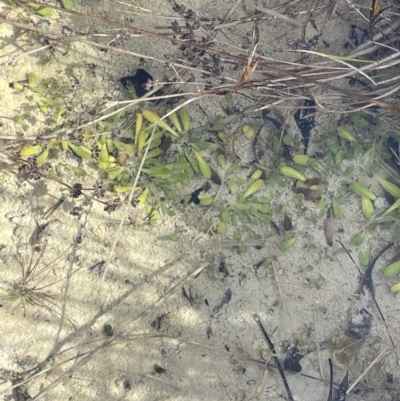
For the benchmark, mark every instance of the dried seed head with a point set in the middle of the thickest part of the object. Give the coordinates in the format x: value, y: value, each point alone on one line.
x: 28, y: 169
x: 76, y: 190
x: 115, y: 132
x: 25, y: 168
x: 76, y: 211
x: 96, y: 152
x: 35, y: 174
x: 99, y: 189
x: 46, y: 167
x: 113, y: 205
x: 40, y: 140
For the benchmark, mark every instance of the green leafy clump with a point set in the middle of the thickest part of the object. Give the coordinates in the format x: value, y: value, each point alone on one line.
x: 46, y: 97
x: 175, y: 154
x: 119, y: 158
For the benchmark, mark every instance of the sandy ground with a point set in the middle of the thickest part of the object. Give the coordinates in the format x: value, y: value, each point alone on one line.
x: 174, y: 340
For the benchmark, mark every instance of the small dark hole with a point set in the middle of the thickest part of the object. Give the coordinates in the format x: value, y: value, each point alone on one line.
x: 159, y: 369
x: 127, y: 384
x: 108, y: 330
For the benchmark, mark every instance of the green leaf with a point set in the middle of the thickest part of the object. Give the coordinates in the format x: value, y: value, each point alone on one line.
x: 248, y: 131
x: 204, y: 145
x: 193, y: 163
x: 313, y: 219
x: 371, y: 149
x: 319, y: 283
x: 47, y: 101
x: 225, y: 215
x: 262, y: 208
x: 153, y: 118
x: 110, y: 145
x: 360, y: 122
x: 32, y: 80
x: 103, y: 156
x: 154, y: 153
x: 345, y: 134
x: 237, y: 234
x: 367, y: 207
x: 240, y: 206
x: 253, y: 188
x: 153, y: 218
x: 337, y: 211
x: 18, y: 86
x: 276, y: 144
x: 44, y: 11
x: 175, y: 121
x: 119, y: 145
x: 315, y: 164
x: 361, y: 190
x: 30, y: 150
x: 359, y: 238
x: 221, y: 160
x: 392, y: 270
x: 221, y: 227
x: 79, y: 171
x: 301, y: 159
x: 339, y: 157
x: 288, y: 140
x: 393, y: 207
x: 113, y: 174
x: 207, y: 200
x: 131, y: 91
x: 389, y: 187
x: 157, y: 172
x: 41, y: 159
x: 185, y: 118
x: 81, y: 151
x: 124, y: 179
x: 218, y: 125
x: 169, y: 212
x: 232, y: 168
x: 364, y: 258
x: 310, y: 245
x: 175, y: 237
x: 23, y: 18
x: 243, y: 248
x: 229, y: 101
x: 204, y: 167
x: 68, y: 4
x: 285, y: 245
